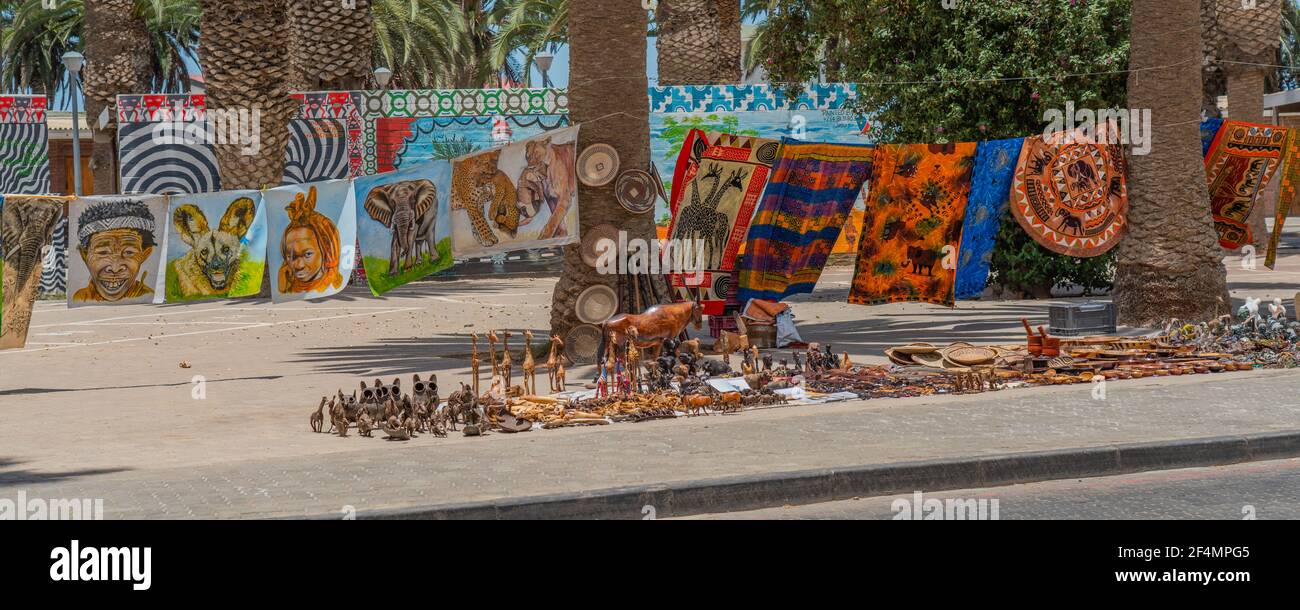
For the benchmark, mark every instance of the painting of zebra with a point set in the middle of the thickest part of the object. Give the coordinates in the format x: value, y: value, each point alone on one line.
x: 24, y: 159
x: 152, y: 167
x: 317, y: 150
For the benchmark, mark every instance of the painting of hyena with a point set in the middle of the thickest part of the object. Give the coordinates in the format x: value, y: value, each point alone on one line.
x: 211, y: 259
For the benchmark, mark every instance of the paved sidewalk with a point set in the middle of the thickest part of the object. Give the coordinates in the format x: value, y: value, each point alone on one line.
x: 374, y: 474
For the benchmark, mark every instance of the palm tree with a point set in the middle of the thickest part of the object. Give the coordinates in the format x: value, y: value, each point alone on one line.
x: 1248, y: 43
x: 35, y: 37
x: 606, y: 39
x: 118, y: 61
x: 690, y: 45
x: 332, y: 42
x: 1170, y: 265
x: 530, y: 27
x: 245, y: 59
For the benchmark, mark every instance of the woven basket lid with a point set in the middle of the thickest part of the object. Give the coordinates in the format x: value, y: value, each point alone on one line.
x: 635, y: 191
x: 933, y: 359
x: 581, y: 344
x: 898, y: 357
x: 916, y: 348
x: 970, y: 355
x: 591, y: 240
x: 598, y: 165
x: 596, y: 304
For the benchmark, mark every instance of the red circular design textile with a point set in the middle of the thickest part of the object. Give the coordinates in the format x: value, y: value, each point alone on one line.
x: 1070, y: 194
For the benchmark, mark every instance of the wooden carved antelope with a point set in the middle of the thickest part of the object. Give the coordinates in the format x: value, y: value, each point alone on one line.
x: 654, y: 326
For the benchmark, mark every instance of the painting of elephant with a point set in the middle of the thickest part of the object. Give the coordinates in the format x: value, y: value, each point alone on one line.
x: 410, y: 210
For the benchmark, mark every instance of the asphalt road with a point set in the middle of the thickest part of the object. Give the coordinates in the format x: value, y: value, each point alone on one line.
x: 1259, y: 490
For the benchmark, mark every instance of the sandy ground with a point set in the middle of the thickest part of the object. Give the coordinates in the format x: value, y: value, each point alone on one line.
x: 104, y: 387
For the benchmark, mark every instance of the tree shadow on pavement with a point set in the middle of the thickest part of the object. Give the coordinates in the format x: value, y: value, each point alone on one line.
x: 10, y: 476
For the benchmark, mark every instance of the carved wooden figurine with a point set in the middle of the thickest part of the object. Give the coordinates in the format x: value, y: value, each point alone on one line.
x: 492, y: 354
x: 529, y: 366
x: 318, y: 417
x: 633, y: 361
x: 553, y: 361
x: 506, y: 364
x: 473, y: 359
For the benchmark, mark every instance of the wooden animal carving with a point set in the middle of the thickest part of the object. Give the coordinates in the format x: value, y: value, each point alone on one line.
x: 473, y: 359
x: 506, y: 364
x: 318, y: 416
x: 553, y: 361
x: 529, y: 366
x: 695, y: 404
x: 654, y: 326
x: 410, y: 210
x: 492, y: 356
x: 633, y: 361
x: 213, y: 260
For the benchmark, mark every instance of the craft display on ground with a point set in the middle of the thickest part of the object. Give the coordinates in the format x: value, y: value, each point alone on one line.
x: 404, y: 224
x: 716, y: 188
x: 217, y: 246
x: 520, y: 196
x: 1241, y: 161
x: 312, y: 229
x: 1070, y: 192
x: 806, y: 204
x: 26, y: 226
x: 990, y: 192
x: 913, y: 224
x: 120, y: 242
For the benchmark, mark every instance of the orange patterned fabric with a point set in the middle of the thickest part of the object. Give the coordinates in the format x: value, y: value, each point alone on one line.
x: 1242, y: 160
x: 1286, y: 194
x: 912, y: 226
x: 1069, y: 193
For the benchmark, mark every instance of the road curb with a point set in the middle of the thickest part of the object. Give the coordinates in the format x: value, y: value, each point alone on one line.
x: 751, y: 492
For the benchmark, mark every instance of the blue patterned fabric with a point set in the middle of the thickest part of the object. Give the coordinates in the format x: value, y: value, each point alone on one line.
x: 995, y: 165
x: 1209, y: 128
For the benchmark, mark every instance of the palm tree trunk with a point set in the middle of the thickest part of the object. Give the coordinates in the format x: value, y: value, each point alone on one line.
x: 1170, y: 265
x: 729, y: 45
x: 690, y: 43
x: 245, y: 59
x: 1246, y: 103
x: 117, y: 62
x: 332, y: 44
x: 607, y: 39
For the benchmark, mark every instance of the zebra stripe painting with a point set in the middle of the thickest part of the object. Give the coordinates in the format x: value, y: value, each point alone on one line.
x: 24, y: 159
x: 162, y: 145
x: 317, y: 150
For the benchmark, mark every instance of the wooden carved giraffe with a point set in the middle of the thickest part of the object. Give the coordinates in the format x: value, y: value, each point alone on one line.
x: 506, y: 363
x: 555, y: 364
x: 492, y: 354
x: 473, y: 360
x: 529, y: 366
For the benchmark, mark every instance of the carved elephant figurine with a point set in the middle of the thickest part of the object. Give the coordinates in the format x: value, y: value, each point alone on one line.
x: 410, y: 210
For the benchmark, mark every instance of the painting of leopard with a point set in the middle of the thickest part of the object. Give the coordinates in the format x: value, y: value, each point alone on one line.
x: 478, y: 183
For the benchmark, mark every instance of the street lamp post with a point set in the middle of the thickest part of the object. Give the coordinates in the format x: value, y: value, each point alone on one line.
x: 73, y: 61
x: 543, y: 61
x: 382, y: 77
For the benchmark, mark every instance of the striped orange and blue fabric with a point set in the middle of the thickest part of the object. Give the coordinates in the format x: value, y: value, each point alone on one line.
x: 807, y: 202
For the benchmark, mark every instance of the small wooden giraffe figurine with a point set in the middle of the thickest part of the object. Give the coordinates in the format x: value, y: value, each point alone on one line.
x: 557, y: 353
x: 506, y: 364
x: 551, y: 363
x: 529, y: 366
x: 492, y: 355
x: 633, y: 361
x: 473, y: 361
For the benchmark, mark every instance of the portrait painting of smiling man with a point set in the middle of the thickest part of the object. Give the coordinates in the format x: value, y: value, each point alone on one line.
x: 118, y: 257
x: 313, y: 234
